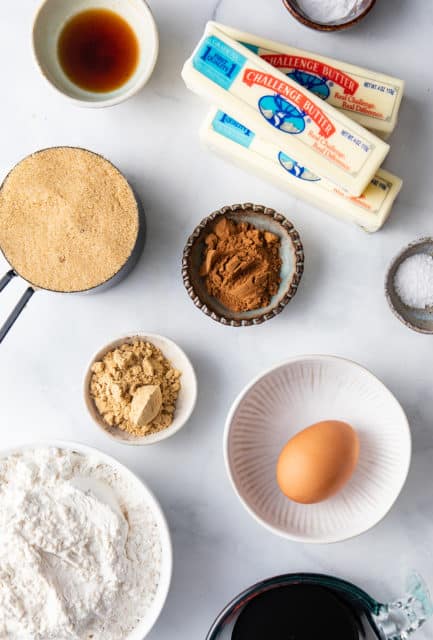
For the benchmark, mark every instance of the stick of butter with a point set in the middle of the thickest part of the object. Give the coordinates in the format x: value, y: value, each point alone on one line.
x: 370, y: 98
x: 278, y: 109
x: 237, y: 143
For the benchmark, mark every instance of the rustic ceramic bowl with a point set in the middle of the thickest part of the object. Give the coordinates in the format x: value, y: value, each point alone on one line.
x: 420, y: 320
x: 292, y: 255
x: 187, y: 395
x: 292, y: 396
x: 302, y: 17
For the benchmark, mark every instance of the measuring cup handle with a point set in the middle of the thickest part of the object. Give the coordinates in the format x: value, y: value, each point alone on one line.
x: 399, y: 620
x: 4, y: 330
x: 6, y: 279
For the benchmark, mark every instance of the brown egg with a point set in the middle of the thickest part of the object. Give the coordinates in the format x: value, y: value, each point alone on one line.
x: 318, y: 461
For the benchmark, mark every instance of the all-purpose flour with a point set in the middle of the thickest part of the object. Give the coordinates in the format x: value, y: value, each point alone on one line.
x: 71, y: 568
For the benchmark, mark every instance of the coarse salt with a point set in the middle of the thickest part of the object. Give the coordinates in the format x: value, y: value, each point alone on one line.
x: 328, y: 11
x: 413, y: 281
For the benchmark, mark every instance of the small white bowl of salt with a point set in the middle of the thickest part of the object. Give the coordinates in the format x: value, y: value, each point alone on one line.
x: 409, y: 286
x: 329, y: 15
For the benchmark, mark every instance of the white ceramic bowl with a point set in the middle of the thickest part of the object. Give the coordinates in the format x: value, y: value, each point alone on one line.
x: 291, y: 397
x: 48, y: 24
x: 166, y: 570
x: 187, y: 394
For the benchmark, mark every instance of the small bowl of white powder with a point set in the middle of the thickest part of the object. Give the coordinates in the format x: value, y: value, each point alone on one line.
x: 409, y: 286
x: 329, y: 15
x: 86, y: 550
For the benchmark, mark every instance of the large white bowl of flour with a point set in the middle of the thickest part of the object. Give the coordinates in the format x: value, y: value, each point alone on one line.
x: 85, y: 551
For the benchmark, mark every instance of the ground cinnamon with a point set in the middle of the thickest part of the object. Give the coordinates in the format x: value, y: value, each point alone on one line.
x: 241, y: 265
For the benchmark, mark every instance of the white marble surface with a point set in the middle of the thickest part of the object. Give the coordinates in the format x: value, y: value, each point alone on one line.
x: 340, y: 307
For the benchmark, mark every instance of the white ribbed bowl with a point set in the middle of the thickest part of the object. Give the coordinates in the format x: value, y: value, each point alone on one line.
x: 292, y: 396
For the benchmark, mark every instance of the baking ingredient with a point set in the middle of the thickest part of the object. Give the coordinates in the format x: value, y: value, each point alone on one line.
x: 241, y: 265
x: 370, y: 98
x: 413, y: 281
x: 318, y: 461
x: 275, y: 106
x: 238, y: 144
x: 71, y: 567
x: 135, y: 388
x: 98, y: 50
x: 329, y: 11
x: 68, y: 219
x: 146, y: 404
x: 296, y: 612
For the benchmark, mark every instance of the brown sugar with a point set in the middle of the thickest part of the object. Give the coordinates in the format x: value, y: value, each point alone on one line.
x: 241, y: 265
x: 135, y: 388
x: 68, y: 219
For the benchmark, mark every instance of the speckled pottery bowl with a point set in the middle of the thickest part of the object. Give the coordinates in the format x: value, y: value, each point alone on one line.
x: 364, y: 8
x: 291, y: 252
x: 420, y: 320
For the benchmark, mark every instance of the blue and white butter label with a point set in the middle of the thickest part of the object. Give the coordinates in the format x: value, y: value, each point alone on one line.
x: 295, y: 169
x: 232, y: 129
x: 218, y: 61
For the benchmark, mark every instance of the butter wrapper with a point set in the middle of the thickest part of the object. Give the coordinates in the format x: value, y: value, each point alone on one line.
x: 370, y: 98
x: 237, y: 143
x: 281, y: 111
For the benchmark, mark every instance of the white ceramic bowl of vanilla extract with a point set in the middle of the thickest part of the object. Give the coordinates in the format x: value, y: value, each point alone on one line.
x: 97, y: 53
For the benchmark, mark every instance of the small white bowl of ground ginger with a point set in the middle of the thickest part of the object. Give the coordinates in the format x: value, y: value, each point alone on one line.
x: 140, y: 388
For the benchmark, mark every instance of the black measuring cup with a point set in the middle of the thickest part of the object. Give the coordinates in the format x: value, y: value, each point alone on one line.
x: 122, y: 272
x: 369, y: 618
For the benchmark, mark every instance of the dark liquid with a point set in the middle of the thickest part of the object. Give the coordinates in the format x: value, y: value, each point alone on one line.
x: 98, y: 50
x: 296, y: 612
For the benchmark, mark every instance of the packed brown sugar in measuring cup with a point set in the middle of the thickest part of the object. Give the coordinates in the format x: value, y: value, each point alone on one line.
x: 241, y: 265
x: 68, y: 219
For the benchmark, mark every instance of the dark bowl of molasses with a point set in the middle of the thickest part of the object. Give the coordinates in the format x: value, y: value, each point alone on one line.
x: 311, y: 606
